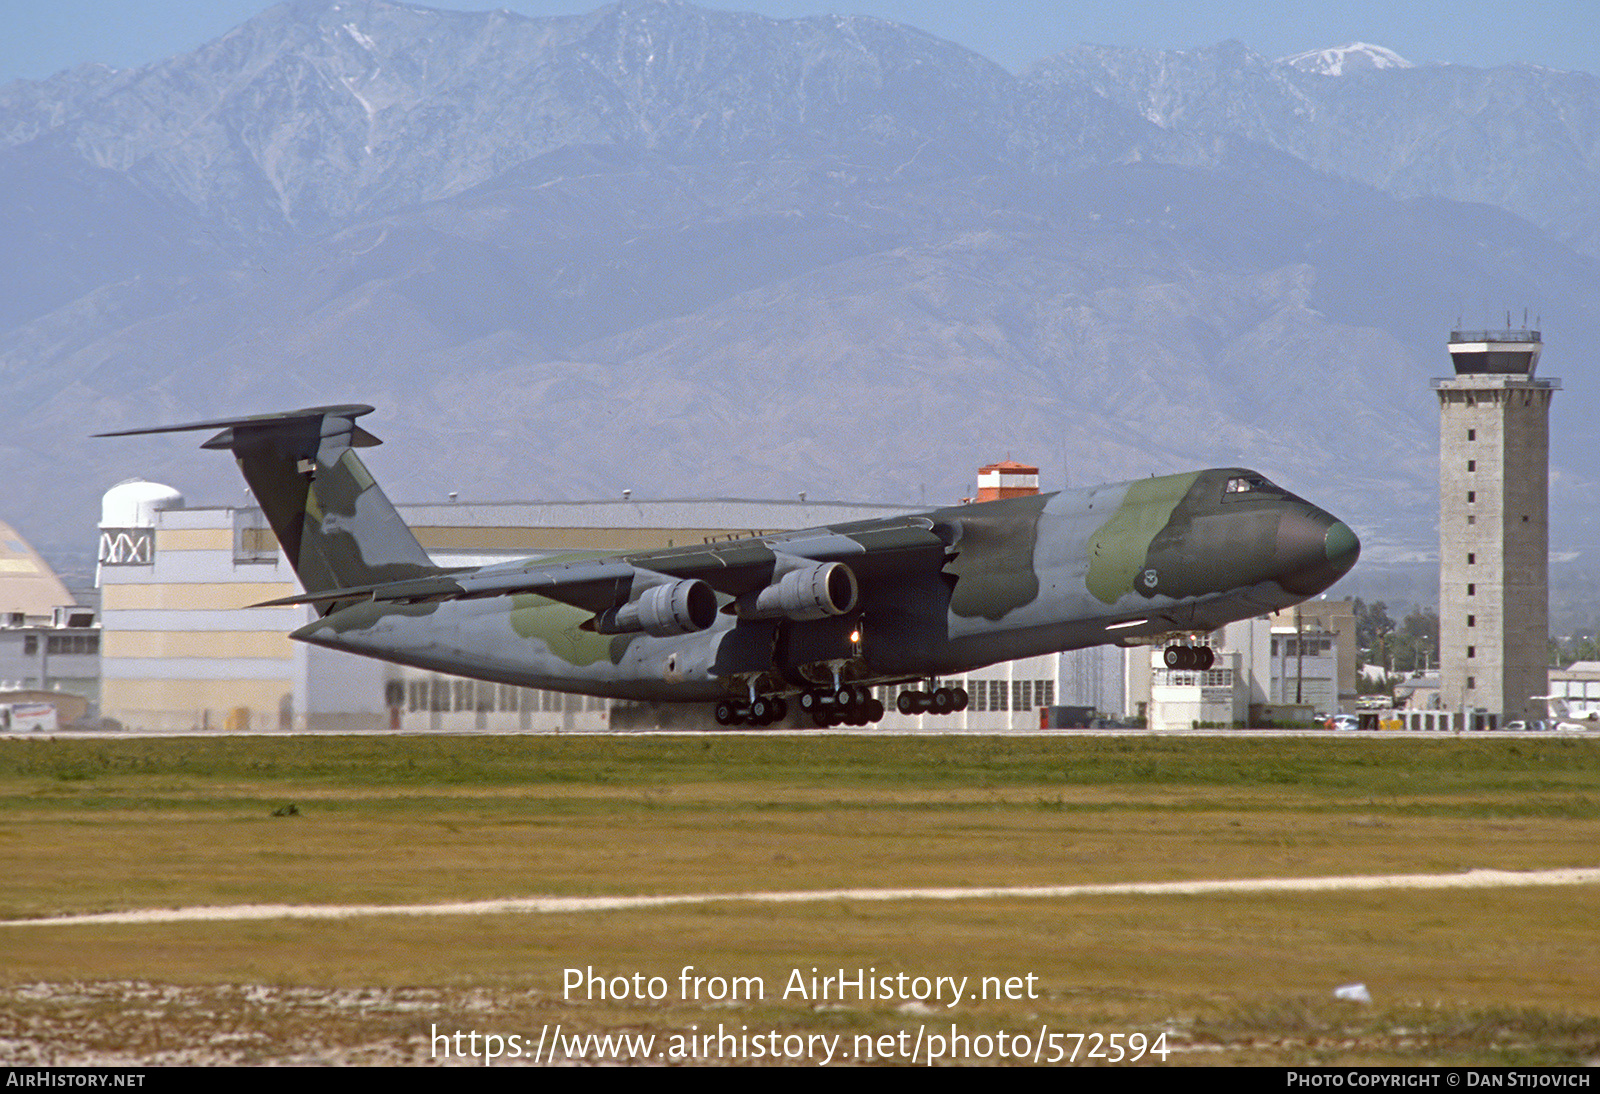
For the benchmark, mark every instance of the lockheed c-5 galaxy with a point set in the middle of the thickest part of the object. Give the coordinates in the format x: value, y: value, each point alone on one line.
x: 820, y: 615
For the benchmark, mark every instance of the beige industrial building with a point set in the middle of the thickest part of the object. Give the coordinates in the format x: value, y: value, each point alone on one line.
x: 1494, y: 541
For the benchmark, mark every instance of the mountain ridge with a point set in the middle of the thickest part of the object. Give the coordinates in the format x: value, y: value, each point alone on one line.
x: 759, y: 256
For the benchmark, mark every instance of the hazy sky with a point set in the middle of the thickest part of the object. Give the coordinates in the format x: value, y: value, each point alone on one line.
x: 40, y: 37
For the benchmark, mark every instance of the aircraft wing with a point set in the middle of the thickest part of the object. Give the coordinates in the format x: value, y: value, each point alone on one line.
x: 800, y: 575
x: 594, y: 584
x: 869, y: 548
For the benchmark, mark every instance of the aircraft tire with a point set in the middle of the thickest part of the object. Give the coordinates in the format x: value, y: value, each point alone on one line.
x: 780, y: 709
x: 962, y: 698
x: 761, y: 712
x: 725, y: 713
x: 875, y: 710
x: 1172, y: 657
x: 909, y: 702
x: 1208, y: 657
x: 941, y: 701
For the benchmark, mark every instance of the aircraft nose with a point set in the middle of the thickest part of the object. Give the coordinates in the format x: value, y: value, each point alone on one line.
x: 1342, y: 547
x: 1314, y: 550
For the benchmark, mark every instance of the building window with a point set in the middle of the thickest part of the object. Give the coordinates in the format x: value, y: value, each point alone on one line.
x: 1471, y: 558
x: 1472, y: 621
x: 1472, y: 495
x: 1472, y: 651
x: 1472, y: 588
x: 1471, y: 519
x: 1472, y: 434
x: 30, y: 645
x: 1472, y: 465
x: 1022, y: 695
x: 1471, y: 683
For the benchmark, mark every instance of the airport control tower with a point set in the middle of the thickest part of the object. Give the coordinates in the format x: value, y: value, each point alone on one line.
x: 1494, y: 538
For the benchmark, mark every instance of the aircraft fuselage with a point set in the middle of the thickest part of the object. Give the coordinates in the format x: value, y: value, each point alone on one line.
x: 943, y: 593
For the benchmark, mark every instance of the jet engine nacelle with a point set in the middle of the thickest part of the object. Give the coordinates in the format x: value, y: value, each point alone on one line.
x: 674, y: 607
x: 814, y: 591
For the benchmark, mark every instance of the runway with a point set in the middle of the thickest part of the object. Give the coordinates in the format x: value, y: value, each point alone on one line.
x: 1471, y: 879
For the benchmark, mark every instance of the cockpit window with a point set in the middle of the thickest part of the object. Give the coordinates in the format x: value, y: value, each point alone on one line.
x: 1250, y: 484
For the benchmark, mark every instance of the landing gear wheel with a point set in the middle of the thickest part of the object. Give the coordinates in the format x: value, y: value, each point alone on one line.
x: 727, y: 714
x: 761, y: 712
x: 962, y: 698
x: 1208, y: 657
x: 941, y: 701
x: 1172, y: 657
x: 875, y: 711
x: 909, y: 702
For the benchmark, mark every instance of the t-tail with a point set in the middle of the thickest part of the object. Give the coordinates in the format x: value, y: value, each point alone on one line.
x: 335, y: 525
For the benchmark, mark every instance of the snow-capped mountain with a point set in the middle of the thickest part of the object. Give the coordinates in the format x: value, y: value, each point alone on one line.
x: 1341, y: 60
x: 753, y: 256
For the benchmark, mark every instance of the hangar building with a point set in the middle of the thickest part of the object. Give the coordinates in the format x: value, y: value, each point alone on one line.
x: 182, y: 650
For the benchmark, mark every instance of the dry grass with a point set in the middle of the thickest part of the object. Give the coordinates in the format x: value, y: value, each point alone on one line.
x: 1492, y: 976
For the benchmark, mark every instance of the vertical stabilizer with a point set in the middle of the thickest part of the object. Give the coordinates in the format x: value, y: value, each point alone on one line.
x: 335, y: 525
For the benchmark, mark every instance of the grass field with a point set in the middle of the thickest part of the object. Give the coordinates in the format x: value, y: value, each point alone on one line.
x: 1456, y: 976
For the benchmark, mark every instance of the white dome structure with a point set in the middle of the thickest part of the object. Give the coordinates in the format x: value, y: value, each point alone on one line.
x: 134, y: 503
x: 128, y: 519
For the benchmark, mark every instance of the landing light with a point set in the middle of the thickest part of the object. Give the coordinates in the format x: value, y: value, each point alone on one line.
x: 855, y: 638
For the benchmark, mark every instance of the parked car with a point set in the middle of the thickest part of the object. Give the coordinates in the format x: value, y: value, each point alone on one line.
x: 1344, y: 722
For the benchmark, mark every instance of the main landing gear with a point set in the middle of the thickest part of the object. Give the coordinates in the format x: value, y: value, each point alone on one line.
x: 850, y: 705
x: 761, y: 711
x: 1189, y: 657
x: 937, y: 701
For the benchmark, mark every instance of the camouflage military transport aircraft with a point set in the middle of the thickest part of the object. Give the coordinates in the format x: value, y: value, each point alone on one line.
x: 819, y: 615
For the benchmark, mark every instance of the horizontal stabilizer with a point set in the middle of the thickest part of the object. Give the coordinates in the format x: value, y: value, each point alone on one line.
x: 237, y: 431
x: 337, y: 529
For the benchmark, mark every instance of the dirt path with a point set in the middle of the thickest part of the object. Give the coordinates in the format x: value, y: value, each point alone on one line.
x: 1472, y: 879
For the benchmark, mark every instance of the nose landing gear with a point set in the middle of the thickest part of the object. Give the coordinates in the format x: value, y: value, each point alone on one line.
x: 1189, y: 657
